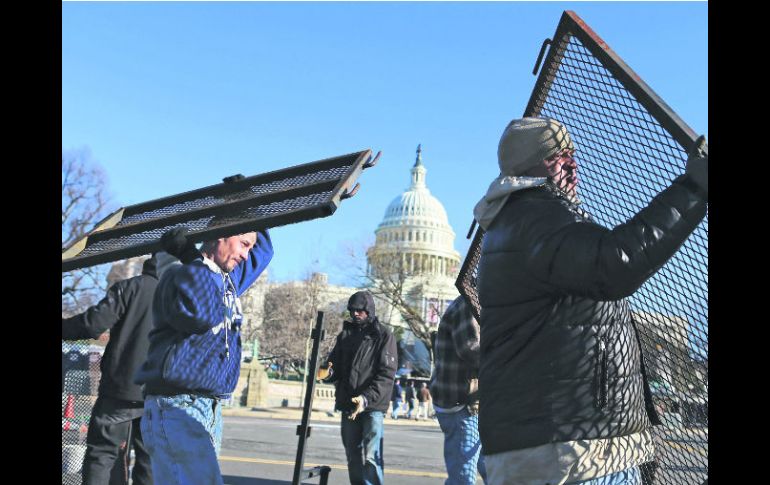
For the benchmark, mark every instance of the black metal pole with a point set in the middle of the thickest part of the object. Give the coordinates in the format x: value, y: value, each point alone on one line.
x: 325, y: 475
x: 303, y: 430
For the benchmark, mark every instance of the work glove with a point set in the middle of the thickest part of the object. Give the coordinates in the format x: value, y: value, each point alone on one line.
x: 698, y: 165
x: 324, y: 372
x: 233, y: 178
x: 359, y: 402
x: 175, y: 242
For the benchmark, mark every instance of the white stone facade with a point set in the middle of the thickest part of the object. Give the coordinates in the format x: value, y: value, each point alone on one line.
x: 416, y: 230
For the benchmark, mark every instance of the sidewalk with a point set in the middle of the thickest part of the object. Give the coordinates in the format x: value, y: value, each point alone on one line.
x: 295, y: 414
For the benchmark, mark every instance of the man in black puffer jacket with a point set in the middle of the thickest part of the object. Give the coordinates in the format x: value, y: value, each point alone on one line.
x: 127, y: 312
x: 363, y: 366
x: 564, y: 392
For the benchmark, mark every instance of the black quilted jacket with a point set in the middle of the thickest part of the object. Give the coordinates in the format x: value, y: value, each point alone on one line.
x: 560, y: 357
x: 365, y: 363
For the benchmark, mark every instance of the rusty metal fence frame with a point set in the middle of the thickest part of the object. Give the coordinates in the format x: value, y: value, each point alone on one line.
x: 239, y: 204
x: 630, y: 145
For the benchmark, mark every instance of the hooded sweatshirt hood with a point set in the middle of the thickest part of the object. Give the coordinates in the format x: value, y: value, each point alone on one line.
x: 525, y: 143
x: 362, y: 299
x: 158, y: 264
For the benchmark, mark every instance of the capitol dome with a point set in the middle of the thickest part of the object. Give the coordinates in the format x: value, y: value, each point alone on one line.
x: 416, y: 226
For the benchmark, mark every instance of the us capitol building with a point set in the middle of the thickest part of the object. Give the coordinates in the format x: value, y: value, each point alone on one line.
x: 415, y: 243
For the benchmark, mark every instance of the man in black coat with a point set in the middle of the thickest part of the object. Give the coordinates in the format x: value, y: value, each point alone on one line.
x: 410, y: 395
x: 114, y: 426
x: 362, y: 365
x: 564, y: 391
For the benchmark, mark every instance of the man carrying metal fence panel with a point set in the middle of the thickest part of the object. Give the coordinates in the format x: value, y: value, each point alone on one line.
x: 194, y: 358
x: 565, y: 396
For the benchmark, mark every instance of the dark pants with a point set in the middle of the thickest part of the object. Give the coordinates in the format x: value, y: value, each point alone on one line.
x: 112, y: 432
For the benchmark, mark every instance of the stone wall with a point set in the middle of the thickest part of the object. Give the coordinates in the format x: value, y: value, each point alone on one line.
x: 254, y: 391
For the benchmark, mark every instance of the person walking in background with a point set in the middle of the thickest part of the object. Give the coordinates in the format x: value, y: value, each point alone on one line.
x: 424, y: 399
x: 410, y: 396
x: 396, y: 399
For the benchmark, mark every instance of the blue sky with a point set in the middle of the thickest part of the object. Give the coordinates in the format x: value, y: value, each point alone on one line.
x: 170, y: 97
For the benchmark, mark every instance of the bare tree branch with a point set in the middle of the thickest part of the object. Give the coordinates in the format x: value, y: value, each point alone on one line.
x: 388, y: 277
x: 84, y: 203
x: 289, y: 315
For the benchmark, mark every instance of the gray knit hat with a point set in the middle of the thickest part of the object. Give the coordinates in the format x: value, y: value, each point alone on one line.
x: 528, y: 141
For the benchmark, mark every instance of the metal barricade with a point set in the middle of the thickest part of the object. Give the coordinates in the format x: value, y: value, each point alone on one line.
x: 631, y: 145
x: 239, y: 204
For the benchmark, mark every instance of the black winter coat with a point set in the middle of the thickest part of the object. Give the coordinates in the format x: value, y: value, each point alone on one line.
x: 560, y: 356
x: 365, y: 363
x: 127, y: 312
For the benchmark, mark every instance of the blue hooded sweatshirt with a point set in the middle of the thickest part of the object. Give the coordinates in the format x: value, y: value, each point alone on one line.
x: 195, y: 347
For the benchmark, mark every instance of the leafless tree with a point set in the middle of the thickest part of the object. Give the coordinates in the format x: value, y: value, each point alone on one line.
x: 289, y: 315
x: 253, y: 304
x: 388, y: 277
x: 85, y: 202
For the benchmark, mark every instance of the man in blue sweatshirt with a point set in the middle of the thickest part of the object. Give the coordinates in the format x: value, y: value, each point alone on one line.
x: 194, y: 358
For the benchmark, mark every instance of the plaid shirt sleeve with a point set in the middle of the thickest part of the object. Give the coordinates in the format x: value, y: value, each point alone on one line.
x: 457, y: 355
x: 465, y: 335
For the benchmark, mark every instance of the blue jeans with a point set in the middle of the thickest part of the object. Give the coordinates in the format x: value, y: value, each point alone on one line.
x: 625, y: 477
x: 396, y: 408
x: 462, y: 447
x: 362, y: 440
x: 183, y: 434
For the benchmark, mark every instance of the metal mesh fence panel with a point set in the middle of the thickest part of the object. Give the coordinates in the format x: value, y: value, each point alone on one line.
x: 80, y: 382
x: 286, y: 196
x: 629, y: 147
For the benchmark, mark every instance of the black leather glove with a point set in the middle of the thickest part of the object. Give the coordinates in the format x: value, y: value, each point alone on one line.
x: 175, y: 243
x: 698, y: 165
x: 233, y: 178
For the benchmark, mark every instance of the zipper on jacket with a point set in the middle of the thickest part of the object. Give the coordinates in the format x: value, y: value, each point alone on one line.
x: 361, y: 352
x: 364, y: 350
x: 225, y: 278
x: 601, y: 398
